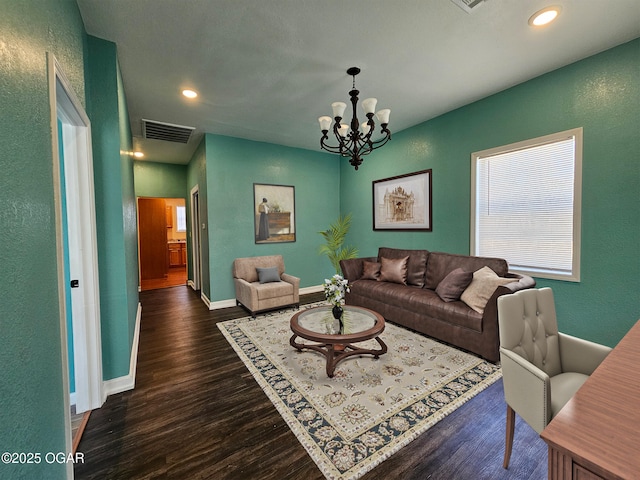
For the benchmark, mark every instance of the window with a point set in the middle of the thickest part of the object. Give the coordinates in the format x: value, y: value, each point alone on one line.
x: 181, y: 219
x: 525, y: 205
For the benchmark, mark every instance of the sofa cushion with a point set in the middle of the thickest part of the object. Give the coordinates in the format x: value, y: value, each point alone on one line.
x: 273, y: 290
x: 418, y: 300
x: 393, y: 270
x: 268, y: 274
x: 416, y: 266
x: 394, y: 294
x: 484, y: 283
x: 370, y: 270
x: 440, y: 264
x: 452, y: 286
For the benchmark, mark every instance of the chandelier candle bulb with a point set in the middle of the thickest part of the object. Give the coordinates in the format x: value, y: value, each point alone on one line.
x: 369, y: 105
x: 383, y: 116
x: 338, y: 109
x: 325, y: 123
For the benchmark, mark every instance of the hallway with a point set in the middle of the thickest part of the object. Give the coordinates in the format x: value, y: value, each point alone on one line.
x: 177, y: 276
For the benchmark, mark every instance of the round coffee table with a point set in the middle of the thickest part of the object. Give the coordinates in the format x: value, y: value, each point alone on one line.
x: 318, y: 325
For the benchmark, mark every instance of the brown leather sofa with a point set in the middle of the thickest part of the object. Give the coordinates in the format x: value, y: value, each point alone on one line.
x: 416, y: 304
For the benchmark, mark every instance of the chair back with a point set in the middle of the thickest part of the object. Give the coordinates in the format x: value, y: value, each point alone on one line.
x: 529, y: 328
x: 245, y: 268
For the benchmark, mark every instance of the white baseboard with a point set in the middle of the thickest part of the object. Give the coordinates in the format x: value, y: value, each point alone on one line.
x: 205, y: 299
x: 313, y: 289
x: 191, y: 284
x: 222, y: 304
x: 127, y: 382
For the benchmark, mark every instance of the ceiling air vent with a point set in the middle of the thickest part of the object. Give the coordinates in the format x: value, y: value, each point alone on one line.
x: 468, y: 5
x: 166, y: 131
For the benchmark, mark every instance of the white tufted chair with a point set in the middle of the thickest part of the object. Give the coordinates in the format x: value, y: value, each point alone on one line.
x: 541, y: 368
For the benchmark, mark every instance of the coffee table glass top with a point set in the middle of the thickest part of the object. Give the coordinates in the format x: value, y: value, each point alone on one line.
x: 320, y: 320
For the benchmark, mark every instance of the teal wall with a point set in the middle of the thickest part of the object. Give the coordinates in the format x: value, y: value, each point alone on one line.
x: 115, y: 207
x: 129, y: 210
x: 233, y: 166
x: 31, y: 386
x: 153, y: 179
x: 600, y: 94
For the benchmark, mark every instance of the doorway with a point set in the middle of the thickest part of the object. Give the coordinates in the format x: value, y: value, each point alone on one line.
x: 76, y: 248
x: 196, y: 257
x: 162, y: 234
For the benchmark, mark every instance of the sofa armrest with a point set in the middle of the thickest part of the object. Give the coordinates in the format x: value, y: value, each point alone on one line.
x: 295, y: 281
x: 579, y: 355
x: 352, y: 268
x: 527, y: 389
x: 520, y: 282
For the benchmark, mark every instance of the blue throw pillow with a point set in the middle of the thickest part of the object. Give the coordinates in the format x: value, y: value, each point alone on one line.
x: 269, y: 274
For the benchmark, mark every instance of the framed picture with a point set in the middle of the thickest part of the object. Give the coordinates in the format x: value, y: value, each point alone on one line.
x: 274, y: 212
x: 403, y: 202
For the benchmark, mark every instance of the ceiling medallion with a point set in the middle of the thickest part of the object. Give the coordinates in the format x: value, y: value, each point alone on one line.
x: 354, y: 140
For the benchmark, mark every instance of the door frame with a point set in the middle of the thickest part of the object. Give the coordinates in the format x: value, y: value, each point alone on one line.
x: 196, y: 250
x: 83, y: 249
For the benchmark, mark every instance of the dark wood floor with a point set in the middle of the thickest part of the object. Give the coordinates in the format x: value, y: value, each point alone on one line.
x: 197, y: 413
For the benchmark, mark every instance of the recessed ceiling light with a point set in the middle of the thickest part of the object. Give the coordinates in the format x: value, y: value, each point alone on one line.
x: 138, y: 154
x: 545, y: 16
x: 189, y: 93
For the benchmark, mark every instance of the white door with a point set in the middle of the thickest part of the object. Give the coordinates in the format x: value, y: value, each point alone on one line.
x: 82, y: 245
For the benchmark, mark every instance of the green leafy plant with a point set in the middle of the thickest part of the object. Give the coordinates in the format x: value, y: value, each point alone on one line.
x: 334, y: 238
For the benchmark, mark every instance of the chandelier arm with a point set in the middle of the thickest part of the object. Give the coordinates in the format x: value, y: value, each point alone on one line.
x: 329, y: 148
x: 382, y: 141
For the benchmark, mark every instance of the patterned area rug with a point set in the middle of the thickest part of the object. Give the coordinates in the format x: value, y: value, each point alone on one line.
x: 371, y: 408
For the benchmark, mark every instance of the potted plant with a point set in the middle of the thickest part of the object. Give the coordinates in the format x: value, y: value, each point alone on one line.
x: 334, y: 238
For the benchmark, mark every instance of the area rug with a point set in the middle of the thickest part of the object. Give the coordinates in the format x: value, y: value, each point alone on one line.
x: 370, y: 408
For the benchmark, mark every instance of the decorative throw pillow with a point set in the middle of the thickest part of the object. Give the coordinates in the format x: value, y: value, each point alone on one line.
x: 484, y: 283
x: 452, y: 286
x: 268, y: 274
x: 393, y: 270
x: 370, y: 270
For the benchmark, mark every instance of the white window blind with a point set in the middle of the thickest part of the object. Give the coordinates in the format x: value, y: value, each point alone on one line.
x: 525, y: 205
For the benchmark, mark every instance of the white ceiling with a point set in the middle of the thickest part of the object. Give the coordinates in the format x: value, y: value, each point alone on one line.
x: 267, y: 69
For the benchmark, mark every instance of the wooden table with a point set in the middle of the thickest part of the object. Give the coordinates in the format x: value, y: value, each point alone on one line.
x: 279, y: 221
x: 318, y: 325
x: 597, y: 433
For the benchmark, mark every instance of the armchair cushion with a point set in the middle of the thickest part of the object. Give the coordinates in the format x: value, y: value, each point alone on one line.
x: 268, y: 274
x: 563, y: 387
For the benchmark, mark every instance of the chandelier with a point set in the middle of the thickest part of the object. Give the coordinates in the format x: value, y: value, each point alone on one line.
x: 354, y: 140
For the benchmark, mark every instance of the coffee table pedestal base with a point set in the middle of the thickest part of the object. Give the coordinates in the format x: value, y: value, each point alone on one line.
x: 335, y: 353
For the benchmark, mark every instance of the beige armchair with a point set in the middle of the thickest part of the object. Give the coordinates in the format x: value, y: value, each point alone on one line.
x: 541, y: 368
x: 271, y: 289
